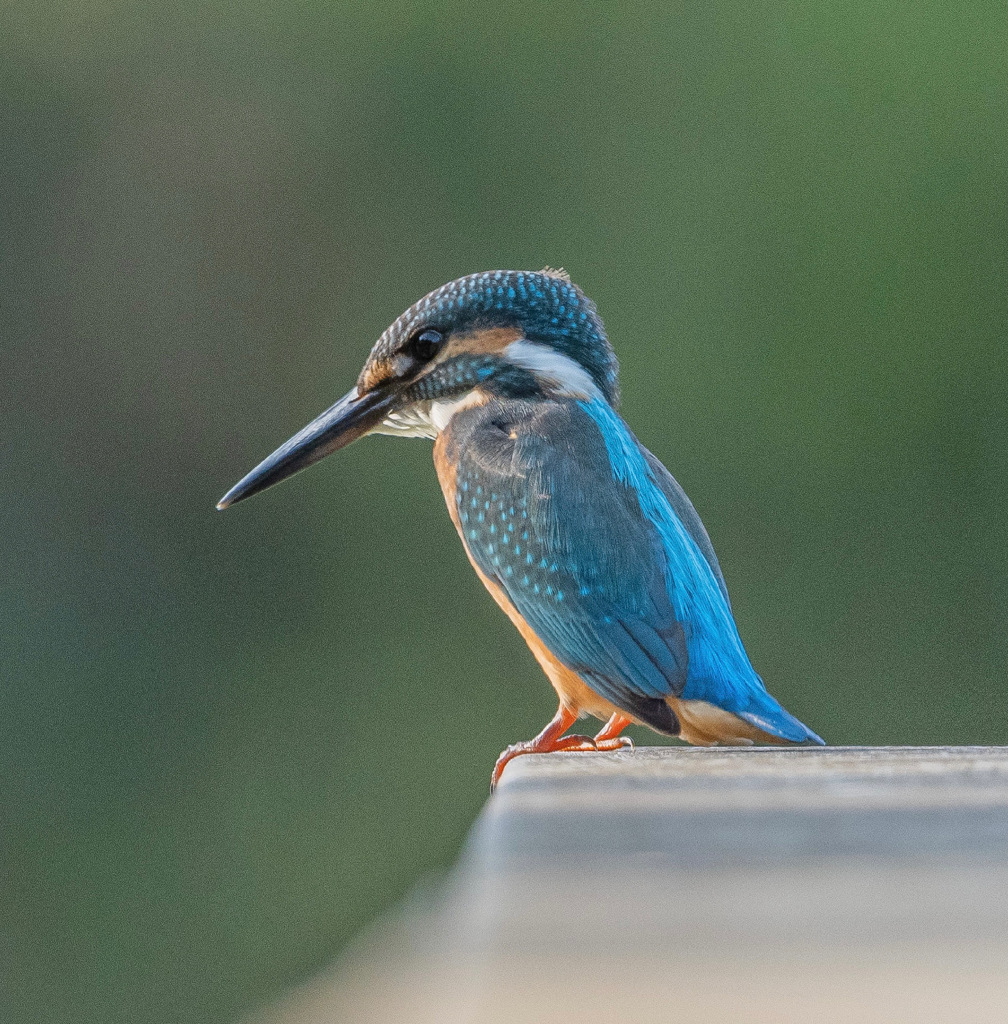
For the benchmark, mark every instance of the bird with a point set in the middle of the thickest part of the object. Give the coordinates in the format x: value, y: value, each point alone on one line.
x: 580, y: 534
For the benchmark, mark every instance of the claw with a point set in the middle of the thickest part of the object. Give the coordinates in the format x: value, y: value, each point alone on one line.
x: 615, y: 743
x: 609, y: 738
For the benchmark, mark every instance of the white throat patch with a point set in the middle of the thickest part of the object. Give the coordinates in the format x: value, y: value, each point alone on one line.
x: 412, y: 422
x: 442, y: 412
x: 426, y: 419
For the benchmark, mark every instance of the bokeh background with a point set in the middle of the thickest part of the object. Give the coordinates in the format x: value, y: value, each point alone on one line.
x: 228, y: 741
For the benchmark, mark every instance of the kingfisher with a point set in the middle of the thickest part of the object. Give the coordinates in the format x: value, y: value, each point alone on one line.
x: 580, y: 534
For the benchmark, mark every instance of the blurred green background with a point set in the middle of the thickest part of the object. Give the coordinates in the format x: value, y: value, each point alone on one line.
x: 227, y: 741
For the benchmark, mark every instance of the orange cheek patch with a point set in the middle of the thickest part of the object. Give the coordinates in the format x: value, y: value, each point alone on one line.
x: 488, y: 340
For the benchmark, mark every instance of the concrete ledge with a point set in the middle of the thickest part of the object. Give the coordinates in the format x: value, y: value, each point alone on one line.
x: 758, y: 885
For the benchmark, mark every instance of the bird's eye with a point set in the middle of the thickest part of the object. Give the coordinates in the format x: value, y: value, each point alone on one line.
x: 425, y: 344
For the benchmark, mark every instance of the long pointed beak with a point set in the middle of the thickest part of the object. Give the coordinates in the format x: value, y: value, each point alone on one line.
x: 351, y: 417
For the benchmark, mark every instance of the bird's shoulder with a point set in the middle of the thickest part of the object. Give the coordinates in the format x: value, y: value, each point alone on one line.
x: 559, y: 449
x: 516, y: 435
x: 549, y: 458
x: 547, y: 463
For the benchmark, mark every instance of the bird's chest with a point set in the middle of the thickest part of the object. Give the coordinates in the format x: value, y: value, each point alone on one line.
x: 461, y: 498
x: 459, y: 449
x: 487, y: 503
x: 446, y: 465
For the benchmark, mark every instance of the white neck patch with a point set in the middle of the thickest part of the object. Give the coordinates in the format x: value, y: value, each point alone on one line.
x: 568, y: 377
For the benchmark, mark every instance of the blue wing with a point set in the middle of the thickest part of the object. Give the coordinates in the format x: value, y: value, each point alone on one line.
x: 561, y: 513
x: 683, y: 508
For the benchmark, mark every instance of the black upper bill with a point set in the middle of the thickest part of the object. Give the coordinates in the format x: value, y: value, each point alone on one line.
x: 351, y: 417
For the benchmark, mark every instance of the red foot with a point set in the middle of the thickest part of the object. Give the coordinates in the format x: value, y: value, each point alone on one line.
x: 552, y: 738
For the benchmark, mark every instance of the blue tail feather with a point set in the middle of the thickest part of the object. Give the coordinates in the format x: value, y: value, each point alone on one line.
x: 767, y: 714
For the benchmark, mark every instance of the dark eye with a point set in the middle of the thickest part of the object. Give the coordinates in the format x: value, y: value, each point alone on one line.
x: 425, y: 344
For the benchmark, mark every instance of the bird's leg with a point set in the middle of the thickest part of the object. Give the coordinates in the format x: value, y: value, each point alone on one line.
x: 550, y: 739
x: 609, y: 738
